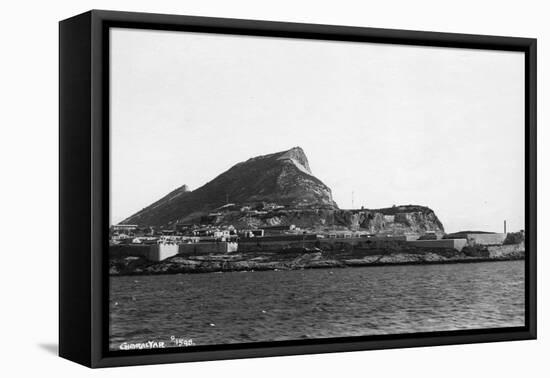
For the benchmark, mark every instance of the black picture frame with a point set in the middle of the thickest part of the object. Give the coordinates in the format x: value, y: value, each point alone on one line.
x: 84, y: 186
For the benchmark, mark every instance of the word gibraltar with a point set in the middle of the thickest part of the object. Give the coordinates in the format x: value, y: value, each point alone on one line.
x: 146, y: 345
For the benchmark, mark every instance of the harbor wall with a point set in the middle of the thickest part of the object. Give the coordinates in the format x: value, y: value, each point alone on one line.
x: 210, y: 247
x: 326, y: 244
x: 151, y: 252
x: 273, y: 246
x: 486, y: 239
x: 160, y: 252
x: 504, y: 251
x: 457, y: 244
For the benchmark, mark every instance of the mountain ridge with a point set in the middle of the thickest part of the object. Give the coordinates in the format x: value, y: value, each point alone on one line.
x: 284, y: 178
x: 283, y: 184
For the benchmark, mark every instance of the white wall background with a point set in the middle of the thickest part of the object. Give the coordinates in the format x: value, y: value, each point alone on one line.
x: 28, y: 154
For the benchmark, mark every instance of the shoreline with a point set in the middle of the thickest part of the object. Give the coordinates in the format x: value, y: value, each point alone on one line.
x: 134, y: 266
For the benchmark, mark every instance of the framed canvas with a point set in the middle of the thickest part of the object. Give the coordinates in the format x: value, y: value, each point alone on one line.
x: 236, y: 188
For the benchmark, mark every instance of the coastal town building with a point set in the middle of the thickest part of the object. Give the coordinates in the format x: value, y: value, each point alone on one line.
x: 479, y: 238
x: 124, y: 228
x: 197, y: 239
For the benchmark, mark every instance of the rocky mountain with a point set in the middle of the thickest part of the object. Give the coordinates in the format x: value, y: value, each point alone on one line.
x: 396, y: 220
x: 278, y: 189
x: 282, y: 178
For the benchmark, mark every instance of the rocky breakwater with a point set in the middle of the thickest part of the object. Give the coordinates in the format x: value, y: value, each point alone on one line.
x: 313, y: 258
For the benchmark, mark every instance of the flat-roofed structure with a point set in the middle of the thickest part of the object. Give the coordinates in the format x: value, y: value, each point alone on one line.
x: 152, y: 252
x: 479, y: 238
x: 124, y: 227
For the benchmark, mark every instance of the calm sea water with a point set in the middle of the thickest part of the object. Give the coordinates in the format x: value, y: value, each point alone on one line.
x: 285, y: 305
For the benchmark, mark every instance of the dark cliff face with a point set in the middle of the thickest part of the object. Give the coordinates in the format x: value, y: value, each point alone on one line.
x: 397, y: 220
x: 283, y: 178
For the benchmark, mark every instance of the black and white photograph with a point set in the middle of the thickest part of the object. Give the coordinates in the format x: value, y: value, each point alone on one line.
x: 266, y: 189
x: 210, y: 188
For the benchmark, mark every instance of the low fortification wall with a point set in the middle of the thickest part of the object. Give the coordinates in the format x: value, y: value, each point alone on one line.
x: 151, y: 252
x: 326, y: 244
x: 273, y: 246
x: 457, y: 244
x: 486, y: 239
x: 119, y: 251
x: 280, y: 238
x: 363, y: 243
x: 160, y: 252
x: 213, y: 247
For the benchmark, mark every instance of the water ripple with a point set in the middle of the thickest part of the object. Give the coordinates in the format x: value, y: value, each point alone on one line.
x: 287, y: 305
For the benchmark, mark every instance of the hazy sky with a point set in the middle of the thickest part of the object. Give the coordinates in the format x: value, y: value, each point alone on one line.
x: 395, y: 124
